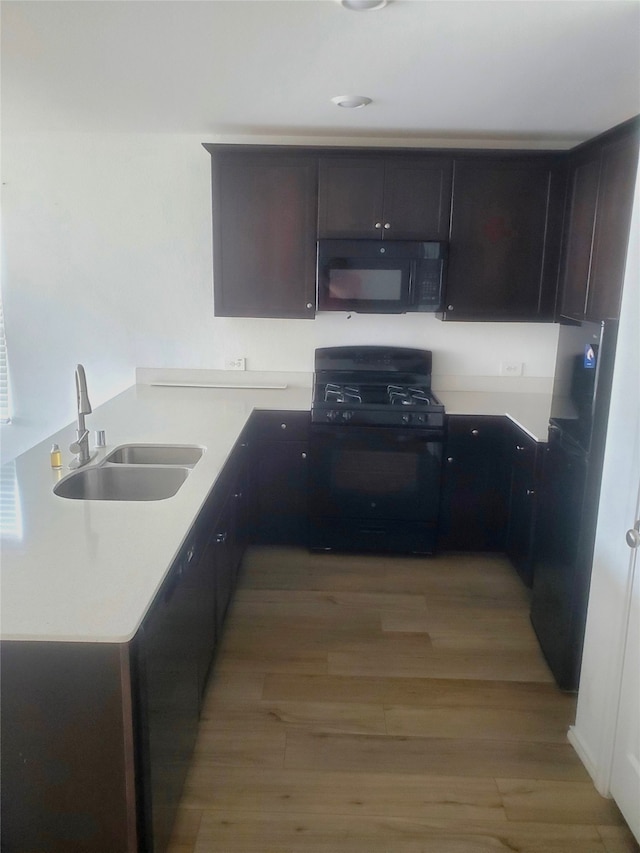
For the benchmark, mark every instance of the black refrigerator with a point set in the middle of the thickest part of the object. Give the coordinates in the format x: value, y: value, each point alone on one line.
x: 569, y: 493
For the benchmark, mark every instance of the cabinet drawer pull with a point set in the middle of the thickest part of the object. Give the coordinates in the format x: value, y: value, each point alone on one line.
x: 520, y: 448
x: 283, y: 426
x: 475, y: 432
x: 450, y: 459
x: 221, y: 538
x: 531, y: 492
x: 304, y: 455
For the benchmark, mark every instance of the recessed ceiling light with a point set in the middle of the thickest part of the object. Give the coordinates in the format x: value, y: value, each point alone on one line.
x: 363, y: 5
x: 351, y: 102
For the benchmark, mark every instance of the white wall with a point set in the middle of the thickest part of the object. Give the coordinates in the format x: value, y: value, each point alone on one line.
x: 108, y: 261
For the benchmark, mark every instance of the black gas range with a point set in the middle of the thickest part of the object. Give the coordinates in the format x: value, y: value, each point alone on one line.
x: 377, y: 432
x: 375, y: 386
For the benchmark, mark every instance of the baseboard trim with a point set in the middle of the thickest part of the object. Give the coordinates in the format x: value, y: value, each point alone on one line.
x: 585, y: 755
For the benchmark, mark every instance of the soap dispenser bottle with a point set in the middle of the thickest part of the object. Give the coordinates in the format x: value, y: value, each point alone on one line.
x: 56, y: 457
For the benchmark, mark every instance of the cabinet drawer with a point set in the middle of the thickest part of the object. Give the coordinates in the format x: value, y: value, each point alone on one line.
x: 478, y: 428
x: 280, y: 426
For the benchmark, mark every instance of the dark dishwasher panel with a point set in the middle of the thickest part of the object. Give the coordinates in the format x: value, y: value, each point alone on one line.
x: 374, y: 488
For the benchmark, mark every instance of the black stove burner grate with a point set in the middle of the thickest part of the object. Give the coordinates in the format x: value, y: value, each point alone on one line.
x: 372, y: 386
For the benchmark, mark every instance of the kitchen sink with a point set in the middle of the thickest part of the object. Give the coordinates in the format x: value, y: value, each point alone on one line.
x: 114, y: 483
x: 155, y: 454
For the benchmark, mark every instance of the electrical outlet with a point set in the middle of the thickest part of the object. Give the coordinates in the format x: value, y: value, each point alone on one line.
x: 511, y: 368
x: 235, y: 364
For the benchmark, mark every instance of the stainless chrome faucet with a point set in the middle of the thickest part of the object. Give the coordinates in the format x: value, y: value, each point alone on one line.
x: 81, y: 445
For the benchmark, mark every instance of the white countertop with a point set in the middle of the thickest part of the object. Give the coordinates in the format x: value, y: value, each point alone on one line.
x: 87, y: 571
x: 529, y: 411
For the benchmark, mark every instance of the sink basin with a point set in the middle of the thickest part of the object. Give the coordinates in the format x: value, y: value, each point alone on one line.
x: 122, y: 484
x: 156, y: 454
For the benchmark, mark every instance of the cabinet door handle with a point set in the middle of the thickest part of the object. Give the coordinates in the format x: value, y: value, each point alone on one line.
x: 531, y: 492
x: 309, y: 305
x: 449, y: 307
x: 387, y: 225
x: 450, y: 459
x: 378, y: 225
x: 633, y: 536
x: 520, y: 448
x: 221, y: 538
x: 475, y: 432
x: 283, y: 426
x: 304, y: 455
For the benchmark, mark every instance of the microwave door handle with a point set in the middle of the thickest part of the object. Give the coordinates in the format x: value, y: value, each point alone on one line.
x: 413, y: 268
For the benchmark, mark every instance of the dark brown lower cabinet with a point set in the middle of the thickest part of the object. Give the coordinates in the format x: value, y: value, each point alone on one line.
x: 230, y: 533
x: 523, y: 459
x: 473, y: 497
x: 168, y: 651
x: 97, y: 737
x: 279, y: 472
x: 69, y: 769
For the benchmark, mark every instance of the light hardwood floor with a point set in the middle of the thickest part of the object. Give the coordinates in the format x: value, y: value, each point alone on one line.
x: 373, y: 704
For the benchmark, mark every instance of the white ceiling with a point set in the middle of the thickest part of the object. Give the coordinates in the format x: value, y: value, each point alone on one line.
x: 539, y: 72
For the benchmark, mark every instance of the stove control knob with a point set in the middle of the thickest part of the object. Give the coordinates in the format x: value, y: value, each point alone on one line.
x: 406, y: 419
x: 332, y: 415
x: 347, y: 416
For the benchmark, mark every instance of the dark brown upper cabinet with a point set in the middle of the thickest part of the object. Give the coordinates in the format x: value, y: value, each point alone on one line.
x: 581, y: 204
x: 391, y: 198
x: 599, y: 203
x: 504, y: 243
x: 264, y: 232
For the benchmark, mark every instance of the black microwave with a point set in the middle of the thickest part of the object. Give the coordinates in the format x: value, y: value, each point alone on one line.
x: 380, y: 277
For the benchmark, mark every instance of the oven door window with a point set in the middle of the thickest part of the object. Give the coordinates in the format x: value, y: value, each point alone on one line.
x: 375, y: 473
x: 366, y: 285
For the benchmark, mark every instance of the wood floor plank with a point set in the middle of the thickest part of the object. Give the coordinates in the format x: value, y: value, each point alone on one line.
x: 263, y: 832
x: 405, y: 621
x: 238, y: 747
x: 510, y: 665
x: 557, y: 802
x: 482, y: 723
x: 422, y: 692
x: 327, y: 601
x: 312, y: 716
x: 433, y: 756
x: 315, y: 641
x: 356, y: 794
